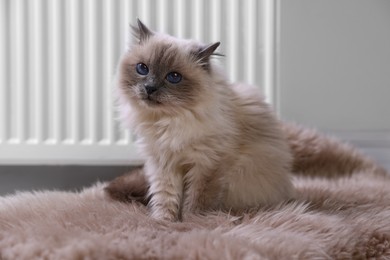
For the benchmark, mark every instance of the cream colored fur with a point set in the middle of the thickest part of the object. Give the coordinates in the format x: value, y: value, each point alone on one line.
x: 207, y: 144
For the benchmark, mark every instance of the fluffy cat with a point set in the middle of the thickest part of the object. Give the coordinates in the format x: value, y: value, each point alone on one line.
x: 207, y: 144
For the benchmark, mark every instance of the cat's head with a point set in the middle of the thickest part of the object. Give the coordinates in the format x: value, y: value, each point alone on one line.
x: 161, y: 72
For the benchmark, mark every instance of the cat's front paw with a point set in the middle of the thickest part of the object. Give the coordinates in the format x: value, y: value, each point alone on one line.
x: 164, y: 215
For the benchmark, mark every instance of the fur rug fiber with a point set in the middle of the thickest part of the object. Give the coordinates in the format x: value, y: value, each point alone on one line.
x: 342, y: 211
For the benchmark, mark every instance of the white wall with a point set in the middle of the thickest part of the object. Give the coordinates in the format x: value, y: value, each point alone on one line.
x: 334, y: 63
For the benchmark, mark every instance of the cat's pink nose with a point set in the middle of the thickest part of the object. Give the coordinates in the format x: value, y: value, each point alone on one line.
x: 150, y: 89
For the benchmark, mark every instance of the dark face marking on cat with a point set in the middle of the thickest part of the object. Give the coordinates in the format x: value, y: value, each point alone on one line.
x: 158, y: 71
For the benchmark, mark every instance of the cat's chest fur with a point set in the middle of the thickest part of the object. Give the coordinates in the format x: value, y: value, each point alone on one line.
x: 186, y: 139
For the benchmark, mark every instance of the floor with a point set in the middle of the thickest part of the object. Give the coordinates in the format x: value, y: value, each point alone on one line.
x: 21, y: 178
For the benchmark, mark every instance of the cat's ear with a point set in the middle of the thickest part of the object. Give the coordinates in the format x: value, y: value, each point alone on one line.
x: 203, y: 54
x: 141, y: 32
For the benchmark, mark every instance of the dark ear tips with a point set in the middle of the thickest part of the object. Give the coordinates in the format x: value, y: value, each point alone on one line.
x: 142, y: 27
x: 141, y: 32
x: 208, y: 50
x: 204, y: 53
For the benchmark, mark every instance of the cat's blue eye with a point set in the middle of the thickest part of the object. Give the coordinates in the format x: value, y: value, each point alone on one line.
x: 173, y: 77
x: 142, y: 69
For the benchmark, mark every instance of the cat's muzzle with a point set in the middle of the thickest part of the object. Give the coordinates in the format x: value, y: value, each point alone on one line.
x: 150, y: 95
x: 150, y: 89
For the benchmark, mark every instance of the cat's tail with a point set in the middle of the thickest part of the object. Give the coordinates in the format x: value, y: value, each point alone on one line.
x: 319, y: 155
x: 131, y: 186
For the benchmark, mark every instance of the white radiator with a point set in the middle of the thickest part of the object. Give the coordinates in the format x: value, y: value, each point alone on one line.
x: 57, y: 61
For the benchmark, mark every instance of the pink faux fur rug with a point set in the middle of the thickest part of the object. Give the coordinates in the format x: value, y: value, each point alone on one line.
x: 343, y: 212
